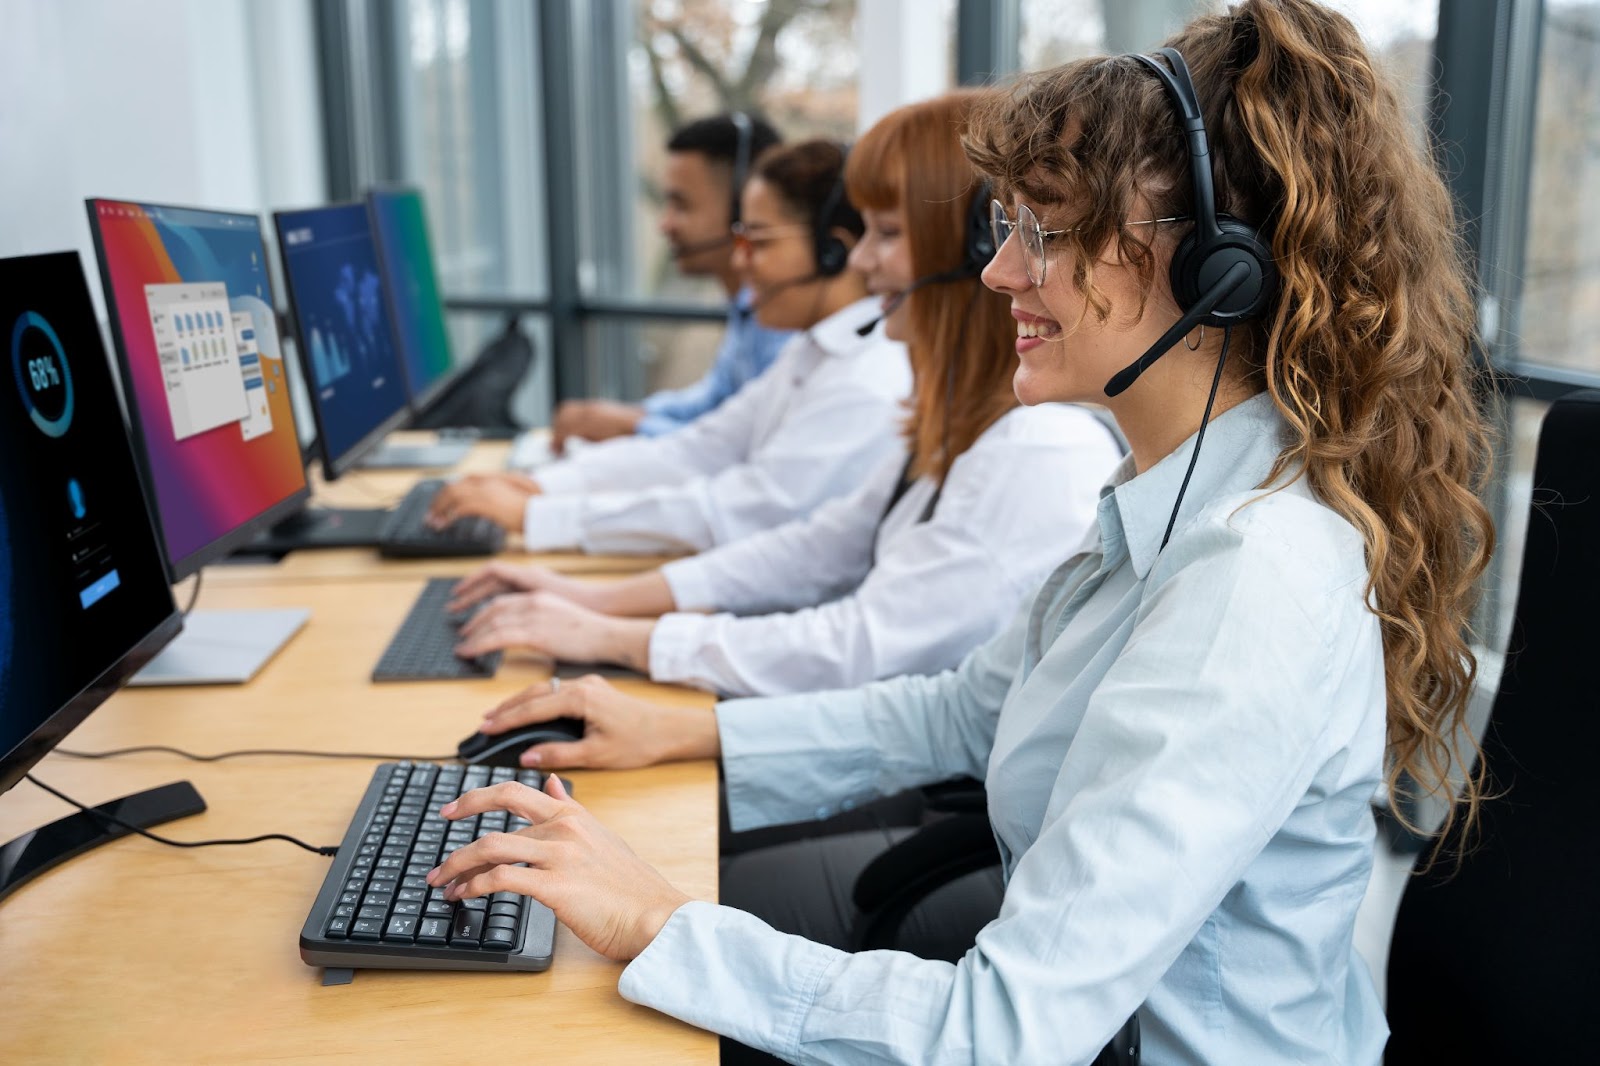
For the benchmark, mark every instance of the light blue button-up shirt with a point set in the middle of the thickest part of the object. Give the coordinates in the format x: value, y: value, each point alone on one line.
x: 747, y: 349
x: 1180, y: 749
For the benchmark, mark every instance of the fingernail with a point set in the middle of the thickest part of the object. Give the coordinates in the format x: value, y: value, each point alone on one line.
x: 433, y: 877
x: 449, y: 808
x: 530, y: 758
x: 452, y: 892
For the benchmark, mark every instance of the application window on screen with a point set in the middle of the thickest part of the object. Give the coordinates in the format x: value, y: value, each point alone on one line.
x: 198, y: 351
x: 258, y: 421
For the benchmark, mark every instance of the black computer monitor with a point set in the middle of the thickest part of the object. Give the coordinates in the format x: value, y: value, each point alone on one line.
x: 405, y: 254
x: 190, y: 302
x: 84, y: 590
x: 344, y: 329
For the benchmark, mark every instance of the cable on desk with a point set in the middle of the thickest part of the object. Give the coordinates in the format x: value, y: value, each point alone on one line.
x: 192, y: 757
x: 114, y: 820
x: 194, y: 593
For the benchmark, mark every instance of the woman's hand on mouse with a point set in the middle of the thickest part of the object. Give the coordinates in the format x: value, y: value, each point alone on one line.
x: 621, y: 732
x: 553, y: 626
x: 613, y: 900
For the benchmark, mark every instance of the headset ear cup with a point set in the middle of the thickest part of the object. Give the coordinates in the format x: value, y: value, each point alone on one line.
x: 832, y: 256
x: 1196, y: 266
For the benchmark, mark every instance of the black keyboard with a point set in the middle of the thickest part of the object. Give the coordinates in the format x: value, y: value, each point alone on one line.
x: 375, y: 909
x: 424, y: 647
x: 405, y: 534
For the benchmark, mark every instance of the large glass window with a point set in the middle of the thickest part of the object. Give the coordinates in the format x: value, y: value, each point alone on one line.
x: 1560, y: 314
x: 1401, y: 32
x: 467, y: 127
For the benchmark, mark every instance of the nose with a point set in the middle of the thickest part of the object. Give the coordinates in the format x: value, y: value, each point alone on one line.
x: 1007, y: 272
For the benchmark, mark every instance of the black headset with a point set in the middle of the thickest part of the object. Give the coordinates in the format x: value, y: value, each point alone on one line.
x: 977, y: 249
x: 1222, y: 272
x: 832, y: 254
x: 741, y: 158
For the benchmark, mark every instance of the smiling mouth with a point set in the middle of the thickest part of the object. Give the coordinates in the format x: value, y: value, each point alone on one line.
x: 1042, y: 328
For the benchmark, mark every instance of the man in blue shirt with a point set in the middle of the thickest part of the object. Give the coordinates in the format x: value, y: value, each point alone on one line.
x: 706, y: 163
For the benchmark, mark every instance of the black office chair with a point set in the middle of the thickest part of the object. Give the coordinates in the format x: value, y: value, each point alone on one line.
x: 945, y: 849
x: 481, y: 399
x: 1495, y: 961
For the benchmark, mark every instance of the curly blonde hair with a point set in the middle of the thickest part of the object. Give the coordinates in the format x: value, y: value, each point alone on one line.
x: 1367, y: 351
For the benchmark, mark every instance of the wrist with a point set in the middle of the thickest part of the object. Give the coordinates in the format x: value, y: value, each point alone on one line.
x: 630, y: 643
x: 683, y: 734
x: 654, y: 918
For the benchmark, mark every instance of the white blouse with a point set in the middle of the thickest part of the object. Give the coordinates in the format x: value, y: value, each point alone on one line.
x: 813, y: 427
x: 852, y: 593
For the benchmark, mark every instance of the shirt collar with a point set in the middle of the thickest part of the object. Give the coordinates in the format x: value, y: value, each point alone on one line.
x: 1237, y: 455
x: 743, y: 304
x: 836, y: 334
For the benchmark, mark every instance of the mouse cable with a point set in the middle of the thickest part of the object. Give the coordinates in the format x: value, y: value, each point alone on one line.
x: 192, y: 757
x: 114, y: 820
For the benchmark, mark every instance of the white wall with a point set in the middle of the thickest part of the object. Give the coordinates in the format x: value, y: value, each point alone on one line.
x: 205, y: 102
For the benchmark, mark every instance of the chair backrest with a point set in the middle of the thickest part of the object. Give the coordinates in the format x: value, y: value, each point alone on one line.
x: 1495, y: 960
x: 481, y: 399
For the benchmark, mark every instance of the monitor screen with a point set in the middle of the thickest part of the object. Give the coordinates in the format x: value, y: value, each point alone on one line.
x: 401, y: 225
x: 191, y: 308
x: 358, y: 391
x: 84, y: 594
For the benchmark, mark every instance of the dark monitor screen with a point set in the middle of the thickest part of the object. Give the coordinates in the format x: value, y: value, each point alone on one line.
x: 400, y: 223
x: 358, y: 390
x: 191, y: 308
x: 85, y: 595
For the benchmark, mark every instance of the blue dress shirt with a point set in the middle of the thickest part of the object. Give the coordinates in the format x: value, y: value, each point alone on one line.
x: 748, y: 348
x: 1180, y: 747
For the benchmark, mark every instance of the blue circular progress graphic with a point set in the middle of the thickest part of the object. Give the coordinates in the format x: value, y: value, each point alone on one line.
x: 50, y: 427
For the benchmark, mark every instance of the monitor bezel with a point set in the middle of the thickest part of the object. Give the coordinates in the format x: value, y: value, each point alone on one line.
x: 50, y: 732
x: 335, y: 465
x: 242, y: 534
x: 422, y: 401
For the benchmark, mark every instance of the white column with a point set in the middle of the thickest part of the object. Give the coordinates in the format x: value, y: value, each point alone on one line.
x: 905, y: 51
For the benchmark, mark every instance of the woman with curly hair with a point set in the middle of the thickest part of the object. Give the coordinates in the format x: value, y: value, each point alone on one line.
x: 1182, y: 735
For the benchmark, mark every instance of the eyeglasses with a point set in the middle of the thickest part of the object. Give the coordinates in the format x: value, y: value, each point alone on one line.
x: 1033, y: 235
x: 746, y: 237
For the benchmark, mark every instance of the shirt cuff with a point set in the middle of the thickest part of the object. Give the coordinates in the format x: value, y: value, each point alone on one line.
x: 654, y: 425
x: 784, y: 762
x: 691, y: 584
x: 672, y: 645
x: 561, y: 478
x: 727, y: 971
x: 550, y: 523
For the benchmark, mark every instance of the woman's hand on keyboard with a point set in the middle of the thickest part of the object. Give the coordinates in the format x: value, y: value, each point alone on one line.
x: 621, y: 732
x: 501, y: 498
x: 499, y: 578
x: 613, y: 900
x: 551, y: 625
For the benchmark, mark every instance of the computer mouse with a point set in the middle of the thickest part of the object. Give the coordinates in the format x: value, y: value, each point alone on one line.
x: 503, y: 749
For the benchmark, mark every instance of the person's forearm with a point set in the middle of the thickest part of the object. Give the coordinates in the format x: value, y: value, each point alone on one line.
x: 643, y: 596
x: 627, y: 641
x: 685, y: 733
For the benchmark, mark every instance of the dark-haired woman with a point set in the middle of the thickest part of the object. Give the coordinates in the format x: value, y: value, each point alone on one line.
x: 812, y: 427
x: 1181, y: 737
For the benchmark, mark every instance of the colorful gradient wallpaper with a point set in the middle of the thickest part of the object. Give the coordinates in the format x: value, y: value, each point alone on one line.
x: 401, y: 225
x: 210, y: 482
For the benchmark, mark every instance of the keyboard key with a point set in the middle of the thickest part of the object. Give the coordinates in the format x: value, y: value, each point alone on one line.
x: 338, y: 927
x: 412, y: 909
x: 438, y: 908
x: 366, y: 929
x: 467, y: 928
x: 401, y: 927
x: 500, y: 939
x: 376, y: 913
x: 433, y: 931
x: 504, y: 910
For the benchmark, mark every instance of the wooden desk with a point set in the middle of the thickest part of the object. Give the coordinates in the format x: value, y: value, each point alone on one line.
x: 141, y: 953
x: 384, y: 488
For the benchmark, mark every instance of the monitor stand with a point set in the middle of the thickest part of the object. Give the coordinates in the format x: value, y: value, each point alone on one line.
x: 31, y: 854
x: 323, y: 527
x: 222, y: 647
x: 393, y: 456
